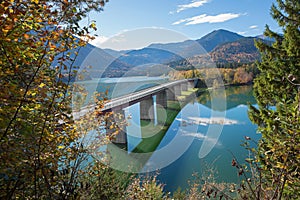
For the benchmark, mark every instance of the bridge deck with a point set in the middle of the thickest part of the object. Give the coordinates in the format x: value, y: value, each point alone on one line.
x: 136, y: 96
x: 131, y: 98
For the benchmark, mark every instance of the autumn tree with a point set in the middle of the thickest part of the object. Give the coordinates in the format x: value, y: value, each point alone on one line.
x: 39, y: 41
x: 278, y: 114
x: 241, y: 76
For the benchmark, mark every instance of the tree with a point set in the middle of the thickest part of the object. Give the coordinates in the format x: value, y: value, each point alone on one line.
x: 242, y: 76
x: 39, y: 41
x: 278, y: 113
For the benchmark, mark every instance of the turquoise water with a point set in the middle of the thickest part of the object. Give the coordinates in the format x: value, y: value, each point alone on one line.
x: 177, y: 156
x: 219, y: 158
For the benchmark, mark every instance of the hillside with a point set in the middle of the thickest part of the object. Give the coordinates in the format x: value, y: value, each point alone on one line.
x: 223, y: 47
x: 193, y: 51
x: 207, y: 43
x: 240, y: 51
x: 183, y: 49
x: 93, y: 62
x: 215, y: 38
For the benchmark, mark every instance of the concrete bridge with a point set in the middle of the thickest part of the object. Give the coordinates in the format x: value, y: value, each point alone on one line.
x: 164, y: 92
x: 167, y: 91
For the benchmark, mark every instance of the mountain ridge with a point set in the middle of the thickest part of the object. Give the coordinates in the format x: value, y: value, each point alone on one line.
x: 242, y: 50
x: 217, y: 37
x: 221, y: 46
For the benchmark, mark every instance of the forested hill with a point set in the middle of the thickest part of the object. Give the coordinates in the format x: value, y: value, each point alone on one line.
x: 240, y: 51
x: 235, y: 53
x: 216, y: 38
x: 220, y: 46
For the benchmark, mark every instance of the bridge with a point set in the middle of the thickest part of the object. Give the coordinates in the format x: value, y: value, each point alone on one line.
x: 167, y: 91
x: 164, y: 92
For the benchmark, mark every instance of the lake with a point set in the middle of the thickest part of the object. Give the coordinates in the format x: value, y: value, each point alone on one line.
x: 219, y: 158
x: 177, y: 156
x: 188, y: 143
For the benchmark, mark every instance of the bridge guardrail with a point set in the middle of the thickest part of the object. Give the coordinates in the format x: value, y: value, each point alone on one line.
x: 130, y: 97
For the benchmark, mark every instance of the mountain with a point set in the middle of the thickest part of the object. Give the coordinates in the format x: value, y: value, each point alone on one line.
x: 215, y: 38
x: 223, y: 47
x: 141, y: 62
x: 93, y: 62
x: 183, y: 49
x: 148, y: 56
x: 263, y: 37
x: 242, y: 50
x: 116, y: 53
x: 171, y: 52
x: 239, y: 51
x: 207, y: 42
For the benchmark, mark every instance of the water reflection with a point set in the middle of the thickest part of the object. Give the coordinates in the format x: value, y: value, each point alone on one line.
x: 187, y: 140
x: 235, y: 95
x: 236, y: 127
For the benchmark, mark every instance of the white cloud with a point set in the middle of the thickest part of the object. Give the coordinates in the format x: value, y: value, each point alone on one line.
x: 98, y: 40
x: 194, y: 4
x: 179, y: 22
x: 242, y: 32
x: 212, y: 120
x: 118, y: 38
x: 204, y: 18
x: 253, y: 27
x: 201, y: 136
x: 140, y: 38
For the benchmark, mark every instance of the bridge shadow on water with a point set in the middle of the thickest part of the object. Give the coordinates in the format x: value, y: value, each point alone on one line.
x: 138, y: 148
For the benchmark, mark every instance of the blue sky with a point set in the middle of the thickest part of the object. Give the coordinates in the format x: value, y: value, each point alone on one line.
x: 192, y: 18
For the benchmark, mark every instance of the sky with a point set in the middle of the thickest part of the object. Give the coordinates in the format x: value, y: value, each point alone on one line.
x: 191, y: 19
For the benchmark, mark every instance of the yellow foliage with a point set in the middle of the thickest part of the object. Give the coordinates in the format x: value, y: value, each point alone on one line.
x: 36, y: 129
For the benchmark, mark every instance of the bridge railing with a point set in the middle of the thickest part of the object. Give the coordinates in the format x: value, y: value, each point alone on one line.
x: 125, y: 99
x: 140, y: 94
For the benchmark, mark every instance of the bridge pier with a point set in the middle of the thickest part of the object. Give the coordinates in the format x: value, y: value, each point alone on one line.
x: 184, y: 86
x: 117, y: 122
x: 190, y: 84
x: 116, y: 125
x: 147, y: 109
x: 161, y: 98
x: 177, y: 90
x: 170, y: 94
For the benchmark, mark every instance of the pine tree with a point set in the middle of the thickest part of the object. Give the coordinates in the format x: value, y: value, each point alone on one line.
x: 277, y: 91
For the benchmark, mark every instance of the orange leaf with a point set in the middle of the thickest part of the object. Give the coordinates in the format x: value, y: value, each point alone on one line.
x: 26, y: 36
